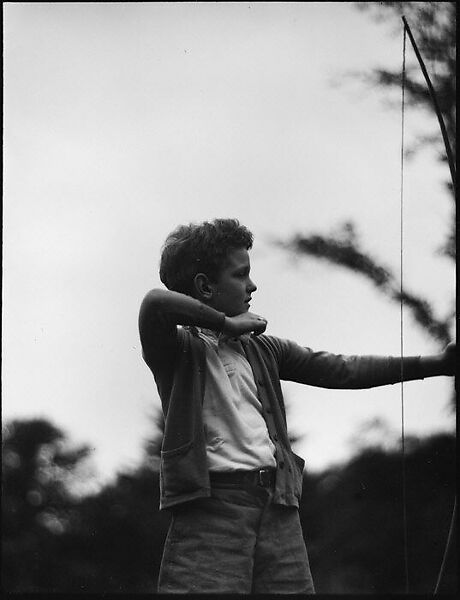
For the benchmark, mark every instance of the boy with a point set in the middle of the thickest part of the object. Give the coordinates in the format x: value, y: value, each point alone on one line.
x: 227, y: 470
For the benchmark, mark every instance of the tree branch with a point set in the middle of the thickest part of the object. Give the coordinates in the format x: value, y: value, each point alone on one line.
x: 342, y: 249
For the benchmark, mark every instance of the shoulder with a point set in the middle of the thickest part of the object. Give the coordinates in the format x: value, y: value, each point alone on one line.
x: 284, y: 349
x: 155, y: 327
x: 275, y: 341
x: 275, y: 345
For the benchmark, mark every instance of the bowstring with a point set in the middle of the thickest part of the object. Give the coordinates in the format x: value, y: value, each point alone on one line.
x: 401, y: 266
x: 453, y: 175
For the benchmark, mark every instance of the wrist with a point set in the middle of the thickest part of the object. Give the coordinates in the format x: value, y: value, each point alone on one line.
x: 227, y: 326
x: 433, y: 365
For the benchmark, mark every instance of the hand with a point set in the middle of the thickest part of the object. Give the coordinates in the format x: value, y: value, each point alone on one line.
x: 449, y: 358
x: 246, y: 322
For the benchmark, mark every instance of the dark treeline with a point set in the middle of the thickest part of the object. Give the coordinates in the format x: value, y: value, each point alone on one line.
x: 55, y: 540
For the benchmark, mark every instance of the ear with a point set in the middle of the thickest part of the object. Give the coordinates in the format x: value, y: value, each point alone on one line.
x: 203, y: 287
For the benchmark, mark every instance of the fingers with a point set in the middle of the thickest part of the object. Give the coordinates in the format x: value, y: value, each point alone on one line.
x: 248, y: 323
x: 261, y: 326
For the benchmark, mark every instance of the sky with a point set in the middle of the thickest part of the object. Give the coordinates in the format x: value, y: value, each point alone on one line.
x: 123, y: 120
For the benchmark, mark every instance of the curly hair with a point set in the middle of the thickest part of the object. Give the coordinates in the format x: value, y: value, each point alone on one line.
x: 200, y: 248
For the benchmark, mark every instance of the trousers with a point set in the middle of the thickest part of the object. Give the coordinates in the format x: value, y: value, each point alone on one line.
x: 235, y: 542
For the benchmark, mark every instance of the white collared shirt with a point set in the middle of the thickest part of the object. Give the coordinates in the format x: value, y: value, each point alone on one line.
x: 236, y: 432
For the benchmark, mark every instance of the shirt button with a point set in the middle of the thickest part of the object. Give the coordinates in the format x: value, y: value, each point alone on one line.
x: 268, y: 411
x: 281, y: 465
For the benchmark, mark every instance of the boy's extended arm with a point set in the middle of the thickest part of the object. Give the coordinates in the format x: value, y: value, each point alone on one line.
x: 358, y: 372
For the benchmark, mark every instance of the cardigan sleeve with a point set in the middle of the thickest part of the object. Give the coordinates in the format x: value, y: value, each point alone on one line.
x: 161, y: 312
x: 338, y: 371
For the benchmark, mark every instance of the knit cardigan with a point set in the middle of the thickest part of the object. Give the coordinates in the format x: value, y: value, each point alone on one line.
x: 176, y: 356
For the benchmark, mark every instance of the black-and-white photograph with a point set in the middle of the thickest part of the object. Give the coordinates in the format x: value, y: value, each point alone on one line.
x: 229, y: 298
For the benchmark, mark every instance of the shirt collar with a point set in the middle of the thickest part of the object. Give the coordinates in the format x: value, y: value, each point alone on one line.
x: 221, y: 338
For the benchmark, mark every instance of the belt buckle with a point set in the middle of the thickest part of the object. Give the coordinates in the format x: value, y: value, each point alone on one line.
x: 264, y: 477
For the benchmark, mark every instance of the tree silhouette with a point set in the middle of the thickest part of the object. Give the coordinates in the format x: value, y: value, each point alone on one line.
x: 55, y: 540
x: 352, y: 520
x: 40, y: 469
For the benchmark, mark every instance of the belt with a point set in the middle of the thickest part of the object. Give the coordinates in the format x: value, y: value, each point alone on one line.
x: 261, y: 477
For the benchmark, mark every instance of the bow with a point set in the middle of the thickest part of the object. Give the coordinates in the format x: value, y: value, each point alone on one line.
x: 452, y: 167
x: 450, y: 156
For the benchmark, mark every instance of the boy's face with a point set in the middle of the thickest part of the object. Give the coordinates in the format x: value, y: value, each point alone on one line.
x: 233, y: 289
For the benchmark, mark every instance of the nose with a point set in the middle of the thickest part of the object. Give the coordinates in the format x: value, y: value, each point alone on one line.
x: 251, y: 286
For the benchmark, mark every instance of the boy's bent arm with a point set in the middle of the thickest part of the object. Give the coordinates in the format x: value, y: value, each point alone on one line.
x: 162, y: 310
x: 328, y: 370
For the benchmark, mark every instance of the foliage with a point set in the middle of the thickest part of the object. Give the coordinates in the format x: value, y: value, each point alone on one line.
x: 116, y: 545
x: 352, y: 517
x: 57, y: 541
x: 39, y: 468
x: 342, y: 248
x: 434, y: 26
